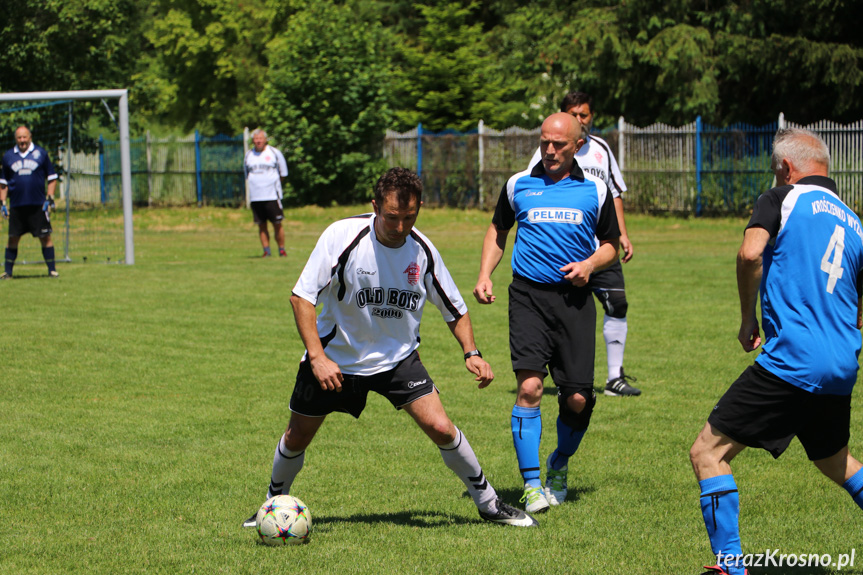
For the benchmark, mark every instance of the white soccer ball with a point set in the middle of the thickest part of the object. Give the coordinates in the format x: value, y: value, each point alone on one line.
x: 284, y: 520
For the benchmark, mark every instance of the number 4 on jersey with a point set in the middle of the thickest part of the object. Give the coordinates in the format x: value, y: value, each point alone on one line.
x: 834, y: 268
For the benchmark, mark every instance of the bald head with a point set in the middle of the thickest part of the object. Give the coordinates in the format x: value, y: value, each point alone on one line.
x: 560, y: 138
x: 23, y: 137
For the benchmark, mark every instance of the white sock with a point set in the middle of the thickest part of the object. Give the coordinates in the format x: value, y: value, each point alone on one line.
x: 459, y: 457
x: 286, y: 465
x: 614, y: 330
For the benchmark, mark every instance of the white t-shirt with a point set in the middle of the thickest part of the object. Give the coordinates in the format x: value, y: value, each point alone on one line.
x: 264, y: 171
x: 596, y: 159
x: 373, y: 296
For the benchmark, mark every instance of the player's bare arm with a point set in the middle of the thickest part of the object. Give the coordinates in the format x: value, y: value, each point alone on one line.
x: 860, y: 313
x: 628, y: 250
x: 462, y: 329
x: 325, y: 370
x: 578, y: 273
x: 493, y: 247
x: 748, y: 281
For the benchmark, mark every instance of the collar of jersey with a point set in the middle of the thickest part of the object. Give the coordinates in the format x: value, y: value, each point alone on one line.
x: 30, y: 149
x: 822, y: 181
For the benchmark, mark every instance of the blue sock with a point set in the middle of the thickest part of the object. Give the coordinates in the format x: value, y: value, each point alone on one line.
x: 526, y: 433
x: 267, y: 251
x: 11, y: 256
x: 48, y: 254
x: 568, y: 441
x: 720, y: 506
x: 854, y: 486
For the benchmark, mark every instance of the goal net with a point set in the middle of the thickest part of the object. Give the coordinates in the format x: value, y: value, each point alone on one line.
x: 82, y: 134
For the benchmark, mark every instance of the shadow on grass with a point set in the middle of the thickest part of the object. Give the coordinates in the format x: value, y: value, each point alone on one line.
x: 428, y: 519
x: 513, y: 495
x: 434, y: 519
x: 17, y: 277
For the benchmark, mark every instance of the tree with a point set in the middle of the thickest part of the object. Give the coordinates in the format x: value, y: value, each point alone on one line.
x: 69, y: 45
x: 326, y: 102
x: 445, y: 77
x: 205, y: 63
x: 672, y: 60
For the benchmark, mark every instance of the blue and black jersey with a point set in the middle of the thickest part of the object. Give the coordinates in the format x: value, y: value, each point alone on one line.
x: 810, y: 286
x: 558, y: 222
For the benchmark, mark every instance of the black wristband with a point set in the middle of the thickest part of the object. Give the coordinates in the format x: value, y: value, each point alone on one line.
x: 470, y: 354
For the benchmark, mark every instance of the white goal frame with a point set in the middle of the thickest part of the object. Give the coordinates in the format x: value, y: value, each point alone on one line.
x: 125, y: 154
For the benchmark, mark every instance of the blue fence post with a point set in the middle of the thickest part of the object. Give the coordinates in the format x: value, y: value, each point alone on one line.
x: 102, y: 190
x: 698, y: 165
x: 420, y: 149
x: 198, y: 168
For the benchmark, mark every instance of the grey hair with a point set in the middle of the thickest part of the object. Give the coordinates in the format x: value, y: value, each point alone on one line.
x: 804, y: 148
x: 257, y: 131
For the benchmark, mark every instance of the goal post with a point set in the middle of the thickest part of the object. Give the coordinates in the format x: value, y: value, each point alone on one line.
x: 125, y: 153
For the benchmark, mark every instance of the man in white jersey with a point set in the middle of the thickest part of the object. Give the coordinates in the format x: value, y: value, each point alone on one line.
x: 266, y: 171
x: 372, y: 275
x: 596, y: 159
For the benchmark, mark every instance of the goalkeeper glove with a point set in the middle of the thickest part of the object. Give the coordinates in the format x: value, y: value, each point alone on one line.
x: 49, y: 203
x: 4, y: 211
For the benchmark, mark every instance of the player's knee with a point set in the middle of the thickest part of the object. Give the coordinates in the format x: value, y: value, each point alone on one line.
x: 442, y: 431
x: 614, y: 303
x: 576, y: 409
x: 296, y: 439
x: 704, y: 455
x: 530, y: 391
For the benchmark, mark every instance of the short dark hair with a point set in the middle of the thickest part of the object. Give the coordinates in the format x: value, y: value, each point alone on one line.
x: 404, y: 183
x: 576, y: 99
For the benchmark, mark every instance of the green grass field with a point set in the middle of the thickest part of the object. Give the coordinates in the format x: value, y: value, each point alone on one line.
x: 141, y: 405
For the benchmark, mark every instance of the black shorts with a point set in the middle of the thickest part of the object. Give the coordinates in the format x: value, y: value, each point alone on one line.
x: 610, y: 278
x: 29, y: 220
x: 554, y: 326
x: 267, y: 211
x: 607, y: 285
x: 405, y: 383
x: 762, y: 410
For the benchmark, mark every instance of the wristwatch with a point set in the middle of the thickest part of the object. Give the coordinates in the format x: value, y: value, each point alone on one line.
x: 470, y: 354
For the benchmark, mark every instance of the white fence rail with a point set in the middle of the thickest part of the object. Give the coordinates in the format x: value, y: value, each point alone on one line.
x: 693, y: 168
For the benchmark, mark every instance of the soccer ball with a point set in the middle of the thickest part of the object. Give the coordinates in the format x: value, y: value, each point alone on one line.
x: 284, y: 520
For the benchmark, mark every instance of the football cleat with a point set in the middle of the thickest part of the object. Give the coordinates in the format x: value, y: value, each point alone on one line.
x: 534, y: 499
x: 620, y: 386
x: 555, y: 483
x: 53, y: 274
x: 717, y: 570
x: 5, y: 276
x: 509, y: 515
x: 282, y: 253
x: 251, y: 521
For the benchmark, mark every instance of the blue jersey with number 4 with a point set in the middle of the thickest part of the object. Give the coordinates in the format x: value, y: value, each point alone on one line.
x: 810, y: 286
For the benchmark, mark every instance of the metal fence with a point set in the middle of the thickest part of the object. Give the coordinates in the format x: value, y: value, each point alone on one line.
x: 696, y: 168
x: 177, y: 171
